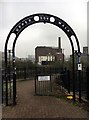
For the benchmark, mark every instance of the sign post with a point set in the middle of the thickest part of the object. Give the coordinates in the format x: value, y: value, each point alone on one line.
x: 79, y: 71
x: 79, y: 66
x: 43, y: 78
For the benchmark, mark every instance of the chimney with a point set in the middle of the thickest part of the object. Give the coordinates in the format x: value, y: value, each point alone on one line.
x: 59, y: 42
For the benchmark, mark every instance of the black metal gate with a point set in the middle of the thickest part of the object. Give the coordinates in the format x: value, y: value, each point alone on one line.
x: 43, y: 85
x: 45, y: 78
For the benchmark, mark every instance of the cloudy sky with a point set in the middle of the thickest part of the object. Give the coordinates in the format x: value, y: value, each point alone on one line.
x: 74, y: 12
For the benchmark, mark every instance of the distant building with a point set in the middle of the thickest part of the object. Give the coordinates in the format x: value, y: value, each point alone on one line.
x: 21, y: 59
x: 85, y: 55
x: 84, y: 58
x: 31, y: 58
x: 0, y: 59
x: 45, y: 54
x: 85, y: 50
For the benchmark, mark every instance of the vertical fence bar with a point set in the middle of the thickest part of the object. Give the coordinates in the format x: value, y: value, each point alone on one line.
x: 68, y: 73
x: 35, y: 79
x: 79, y: 86
x: 14, y: 88
x: 66, y: 80
x: 50, y: 79
x: 87, y: 74
x: 9, y: 72
x: 6, y: 83
x: 51, y: 83
x: 25, y: 73
x: 73, y: 76
x: 35, y: 83
x: 2, y: 87
x: 14, y: 82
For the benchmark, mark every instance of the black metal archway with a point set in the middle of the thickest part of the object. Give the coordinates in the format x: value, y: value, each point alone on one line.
x: 24, y: 23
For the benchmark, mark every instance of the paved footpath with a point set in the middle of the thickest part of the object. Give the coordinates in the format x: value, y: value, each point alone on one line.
x: 31, y: 106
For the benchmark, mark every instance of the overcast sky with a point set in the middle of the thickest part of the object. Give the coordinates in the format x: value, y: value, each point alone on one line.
x: 74, y: 12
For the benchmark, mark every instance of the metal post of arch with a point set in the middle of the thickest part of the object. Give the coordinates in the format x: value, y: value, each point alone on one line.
x: 24, y: 23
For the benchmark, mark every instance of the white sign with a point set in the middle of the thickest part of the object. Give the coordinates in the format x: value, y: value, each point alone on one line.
x: 79, y: 66
x: 43, y: 78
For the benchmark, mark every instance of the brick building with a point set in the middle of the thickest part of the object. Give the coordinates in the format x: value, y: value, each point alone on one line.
x: 48, y: 54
